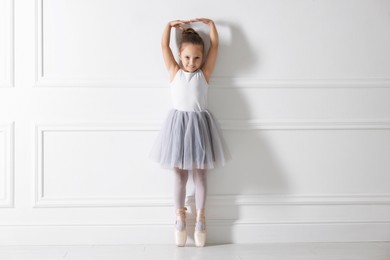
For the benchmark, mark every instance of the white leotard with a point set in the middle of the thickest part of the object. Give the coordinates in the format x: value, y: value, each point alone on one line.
x: 189, y: 91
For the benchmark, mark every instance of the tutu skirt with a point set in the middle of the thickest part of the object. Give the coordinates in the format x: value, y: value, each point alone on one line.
x: 190, y: 140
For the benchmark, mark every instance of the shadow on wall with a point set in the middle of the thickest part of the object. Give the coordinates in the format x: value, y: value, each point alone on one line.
x: 255, y: 169
x: 235, y: 56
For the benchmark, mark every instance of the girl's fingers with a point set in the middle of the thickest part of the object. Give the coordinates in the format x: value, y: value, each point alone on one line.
x: 178, y: 26
x: 203, y: 20
x: 179, y: 23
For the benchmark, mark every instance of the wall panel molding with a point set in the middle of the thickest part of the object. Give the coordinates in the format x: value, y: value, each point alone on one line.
x: 218, y: 232
x: 217, y: 82
x: 7, y: 190
x: 7, y: 15
x: 301, y: 83
x: 222, y: 200
x: 305, y: 125
x: 227, y: 124
x: 240, y: 200
x: 43, y: 80
x: 38, y: 40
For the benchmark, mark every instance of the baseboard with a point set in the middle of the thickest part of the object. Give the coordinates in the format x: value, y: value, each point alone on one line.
x: 219, y: 232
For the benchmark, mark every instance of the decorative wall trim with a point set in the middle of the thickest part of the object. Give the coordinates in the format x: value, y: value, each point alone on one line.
x: 301, y: 83
x: 40, y: 130
x: 226, y: 124
x: 221, y: 200
x: 39, y: 41
x: 7, y: 200
x: 218, y: 232
x: 8, y: 16
x: 305, y: 125
x: 218, y: 82
x: 213, y: 222
x: 230, y: 200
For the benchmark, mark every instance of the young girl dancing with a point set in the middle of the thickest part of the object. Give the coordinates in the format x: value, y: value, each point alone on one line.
x: 190, y: 138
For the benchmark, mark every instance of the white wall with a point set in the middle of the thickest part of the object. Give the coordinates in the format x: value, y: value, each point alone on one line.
x: 301, y: 88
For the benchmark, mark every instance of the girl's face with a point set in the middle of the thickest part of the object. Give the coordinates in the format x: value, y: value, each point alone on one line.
x: 191, y: 56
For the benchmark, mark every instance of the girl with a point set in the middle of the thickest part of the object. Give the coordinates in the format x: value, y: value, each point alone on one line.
x: 190, y: 138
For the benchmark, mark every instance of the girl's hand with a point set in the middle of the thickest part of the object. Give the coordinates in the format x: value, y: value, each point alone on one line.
x: 203, y: 20
x: 178, y: 24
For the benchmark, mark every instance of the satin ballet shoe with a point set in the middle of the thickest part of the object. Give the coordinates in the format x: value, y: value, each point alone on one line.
x: 200, y: 229
x: 180, y: 227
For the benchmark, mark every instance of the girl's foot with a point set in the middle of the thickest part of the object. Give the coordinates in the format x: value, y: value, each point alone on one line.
x: 200, y: 228
x: 180, y: 227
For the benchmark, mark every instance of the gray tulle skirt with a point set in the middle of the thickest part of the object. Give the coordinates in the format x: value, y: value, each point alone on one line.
x: 190, y: 140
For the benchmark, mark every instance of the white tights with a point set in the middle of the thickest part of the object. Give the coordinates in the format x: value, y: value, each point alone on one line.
x: 180, y: 182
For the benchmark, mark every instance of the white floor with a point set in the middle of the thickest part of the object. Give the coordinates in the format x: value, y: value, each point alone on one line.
x: 290, y: 251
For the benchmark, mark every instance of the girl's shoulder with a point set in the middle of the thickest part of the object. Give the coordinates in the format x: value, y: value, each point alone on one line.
x: 203, y: 76
x: 174, y: 74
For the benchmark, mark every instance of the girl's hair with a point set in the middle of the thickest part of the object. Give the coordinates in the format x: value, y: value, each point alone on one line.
x: 189, y: 35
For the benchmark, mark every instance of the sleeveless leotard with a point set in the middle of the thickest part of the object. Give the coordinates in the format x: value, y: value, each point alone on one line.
x: 189, y: 91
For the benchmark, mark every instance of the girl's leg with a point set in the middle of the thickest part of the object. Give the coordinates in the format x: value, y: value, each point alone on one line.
x: 200, y: 182
x: 179, y: 187
x: 200, y: 201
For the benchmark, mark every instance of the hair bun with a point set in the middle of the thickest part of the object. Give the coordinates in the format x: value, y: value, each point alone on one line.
x: 189, y: 35
x: 189, y: 31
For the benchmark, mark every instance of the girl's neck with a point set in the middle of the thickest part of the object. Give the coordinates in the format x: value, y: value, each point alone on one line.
x: 189, y: 71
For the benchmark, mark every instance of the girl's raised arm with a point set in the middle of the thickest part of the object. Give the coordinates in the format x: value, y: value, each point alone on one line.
x: 169, y: 59
x: 211, y: 57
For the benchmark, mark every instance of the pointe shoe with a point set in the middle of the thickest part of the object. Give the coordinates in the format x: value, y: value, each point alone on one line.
x: 180, y: 227
x: 200, y: 229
